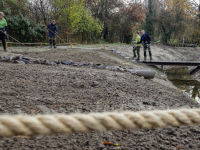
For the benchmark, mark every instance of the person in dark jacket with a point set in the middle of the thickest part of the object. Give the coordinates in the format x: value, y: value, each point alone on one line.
x: 53, y: 30
x: 3, y: 30
x: 146, y: 40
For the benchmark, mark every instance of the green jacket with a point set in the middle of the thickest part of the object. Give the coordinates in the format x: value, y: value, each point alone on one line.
x: 138, y: 38
x: 3, y: 23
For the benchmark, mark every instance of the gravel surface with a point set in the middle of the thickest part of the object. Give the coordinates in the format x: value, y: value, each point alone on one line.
x: 40, y: 89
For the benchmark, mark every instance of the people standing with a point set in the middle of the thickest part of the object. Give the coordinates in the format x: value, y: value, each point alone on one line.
x: 137, y: 47
x: 3, y: 30
x: 146, y: 39
x: 53, y: 30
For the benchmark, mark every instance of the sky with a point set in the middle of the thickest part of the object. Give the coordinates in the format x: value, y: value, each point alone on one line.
x: 197, y: 1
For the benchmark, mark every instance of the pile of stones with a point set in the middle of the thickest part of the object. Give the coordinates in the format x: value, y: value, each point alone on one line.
x: 26, y: 60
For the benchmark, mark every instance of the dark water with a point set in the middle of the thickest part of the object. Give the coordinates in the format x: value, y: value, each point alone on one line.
x: 182, y: 79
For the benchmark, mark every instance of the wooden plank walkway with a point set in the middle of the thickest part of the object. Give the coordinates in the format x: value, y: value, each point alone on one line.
x: 171, y: 63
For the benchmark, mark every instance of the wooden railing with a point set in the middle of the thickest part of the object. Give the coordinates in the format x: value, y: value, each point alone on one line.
x: 181, y: 45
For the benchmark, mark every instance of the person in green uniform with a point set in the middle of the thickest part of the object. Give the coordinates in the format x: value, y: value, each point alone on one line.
x: 3, y: 30
x: 137, y: 47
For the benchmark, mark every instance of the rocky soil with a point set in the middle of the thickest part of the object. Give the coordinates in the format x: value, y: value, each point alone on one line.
x: 40, y: 89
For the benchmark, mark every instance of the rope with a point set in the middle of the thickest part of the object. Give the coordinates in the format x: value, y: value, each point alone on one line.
x: 84, y: 123
x: 14, y: 39
x: 57, y: 36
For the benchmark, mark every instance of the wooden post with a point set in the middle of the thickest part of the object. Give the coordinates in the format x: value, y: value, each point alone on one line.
x: 6, y: 45
x: 71, y: 45
x: 162, y: 67
x: 104, y: 46
x: 41, y: 45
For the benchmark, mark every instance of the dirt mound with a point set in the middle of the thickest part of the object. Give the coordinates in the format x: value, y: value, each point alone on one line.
x: 40, y: 89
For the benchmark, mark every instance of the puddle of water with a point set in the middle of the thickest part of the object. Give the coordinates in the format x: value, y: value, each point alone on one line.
x: 182, y: 79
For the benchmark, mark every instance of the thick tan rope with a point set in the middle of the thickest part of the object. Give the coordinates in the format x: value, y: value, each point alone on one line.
x: 84, y: 123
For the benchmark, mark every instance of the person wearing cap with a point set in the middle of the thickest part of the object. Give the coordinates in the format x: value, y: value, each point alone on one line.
x: 3, y: 30
x: 53, y: 30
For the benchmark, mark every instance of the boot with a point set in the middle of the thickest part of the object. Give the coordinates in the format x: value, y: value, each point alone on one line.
x: 54, y: 43
x: 150, y: 54
x: 50, y: 41
x: 5, y: 50
x: 145, y: 56
x: 138, y: 58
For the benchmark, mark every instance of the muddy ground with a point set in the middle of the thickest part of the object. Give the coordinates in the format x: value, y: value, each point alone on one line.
x: 41, y: 89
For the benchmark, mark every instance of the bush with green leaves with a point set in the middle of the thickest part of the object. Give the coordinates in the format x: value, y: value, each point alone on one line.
x: 25, y: 30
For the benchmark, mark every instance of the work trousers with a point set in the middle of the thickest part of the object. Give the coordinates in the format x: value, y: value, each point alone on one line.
x: 145, y: 52
x: 54, y: 40
x: 2, y: 38
x: 137, y: 48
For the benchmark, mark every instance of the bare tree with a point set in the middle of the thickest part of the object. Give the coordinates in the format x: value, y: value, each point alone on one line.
x: 42, y: 10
